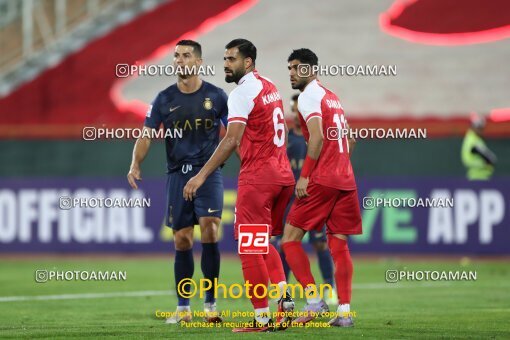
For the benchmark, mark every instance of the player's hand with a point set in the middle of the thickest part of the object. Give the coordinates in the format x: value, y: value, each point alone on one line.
x: 301, y: 186
x: 190, y: 189
x: 134, y: 175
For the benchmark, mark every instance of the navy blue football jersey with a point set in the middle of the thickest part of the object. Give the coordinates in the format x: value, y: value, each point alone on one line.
x: 296, y: 151
x: 198, y: 115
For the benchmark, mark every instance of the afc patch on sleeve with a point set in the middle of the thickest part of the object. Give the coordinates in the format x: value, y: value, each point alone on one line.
x: 149, y: 111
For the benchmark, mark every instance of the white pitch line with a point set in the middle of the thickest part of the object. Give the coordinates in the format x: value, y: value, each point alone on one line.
x: 86, y: 296
x: 171, y: 292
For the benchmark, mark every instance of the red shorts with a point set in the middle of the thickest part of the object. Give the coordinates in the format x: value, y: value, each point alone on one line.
x: 338, y: 209
x: 262, y: 204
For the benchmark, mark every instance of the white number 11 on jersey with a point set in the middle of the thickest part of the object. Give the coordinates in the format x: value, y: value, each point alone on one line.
x: 341, y: 125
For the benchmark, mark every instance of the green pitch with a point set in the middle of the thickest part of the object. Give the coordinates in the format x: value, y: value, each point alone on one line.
x: 60, y: 309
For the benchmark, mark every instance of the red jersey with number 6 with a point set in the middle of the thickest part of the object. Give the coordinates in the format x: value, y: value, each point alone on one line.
x: 257, y: 103
x: 333, y: 169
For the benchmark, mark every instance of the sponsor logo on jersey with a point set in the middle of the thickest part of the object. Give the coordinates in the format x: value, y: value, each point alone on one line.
x: 253, y: 239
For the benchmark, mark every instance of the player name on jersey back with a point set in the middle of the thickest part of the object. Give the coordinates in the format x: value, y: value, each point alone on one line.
x: 271, y: 97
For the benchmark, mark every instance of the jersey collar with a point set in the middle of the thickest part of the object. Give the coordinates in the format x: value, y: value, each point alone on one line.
x: 311, y: 84
x: 252, y: 74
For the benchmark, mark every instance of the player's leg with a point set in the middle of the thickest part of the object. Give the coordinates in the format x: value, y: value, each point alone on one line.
x: 273, y: 260
x: 183, y: 269
x: 307, y: 214
x: 296, y: 255
x: 208, y: 205
x: 252, y: 206
x: 180, y: 218
x: 319, y: 243
x: 277, y: 243
x: 210, y: 263
x: 345, y: 219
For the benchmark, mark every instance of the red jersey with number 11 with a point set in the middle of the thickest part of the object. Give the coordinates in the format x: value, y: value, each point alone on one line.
x: 334, y: 167
x: 257, y: 103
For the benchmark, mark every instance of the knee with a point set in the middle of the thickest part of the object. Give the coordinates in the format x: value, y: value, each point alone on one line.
x: 183, y: 241
x: 320, y: 245
x: 209, y: 227
x: 292, y: 234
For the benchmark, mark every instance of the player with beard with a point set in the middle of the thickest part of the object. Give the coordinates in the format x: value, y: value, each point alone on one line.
x: 256, y: 125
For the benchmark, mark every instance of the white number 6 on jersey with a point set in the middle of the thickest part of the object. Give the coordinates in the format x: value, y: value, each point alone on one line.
x: 277, y: 116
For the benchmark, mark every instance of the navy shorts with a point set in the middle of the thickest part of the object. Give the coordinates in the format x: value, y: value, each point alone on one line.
x: 207, y: 202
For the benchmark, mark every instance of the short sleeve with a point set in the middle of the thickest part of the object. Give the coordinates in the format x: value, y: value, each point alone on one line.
x: 241, y: 101
x: 153, y: 117
x: 309, y: 105
x: 239, y: 108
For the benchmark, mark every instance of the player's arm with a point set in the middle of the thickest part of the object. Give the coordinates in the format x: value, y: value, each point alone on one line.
x: 227, y: 146
x: 223, y: 133
x: 315, y: 142
x: 140, y: 151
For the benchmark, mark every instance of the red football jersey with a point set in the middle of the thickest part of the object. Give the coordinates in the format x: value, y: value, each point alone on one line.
x: 333, y: 169
x: 257, y: 103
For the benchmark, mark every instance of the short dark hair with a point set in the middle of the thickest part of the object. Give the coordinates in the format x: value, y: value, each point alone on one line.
x: 305, y: 56
x: 197, y: 48
x: 246, y: 48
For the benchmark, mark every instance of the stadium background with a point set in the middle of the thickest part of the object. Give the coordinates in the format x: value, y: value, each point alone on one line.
x: 57, y: 68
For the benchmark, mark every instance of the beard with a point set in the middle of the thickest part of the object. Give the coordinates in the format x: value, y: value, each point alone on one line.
x: 234, y: 77
x: 299, y: 85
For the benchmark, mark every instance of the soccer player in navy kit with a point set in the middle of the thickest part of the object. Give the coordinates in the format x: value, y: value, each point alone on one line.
x: 197, y: 108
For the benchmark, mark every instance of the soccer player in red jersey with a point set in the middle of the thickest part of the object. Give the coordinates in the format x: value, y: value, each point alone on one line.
x: 256, y: 125
x: 326, y: 190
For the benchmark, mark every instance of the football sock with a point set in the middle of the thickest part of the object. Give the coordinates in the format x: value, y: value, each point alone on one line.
x: 286, y: 268
x: 262, y: 315
x: 312, y: 294
x: 298, y: 262
x: 274, y: 266
x: 326, y: 266
x: 343, y: 268
x: 210, y: 264
x: 255, y: 271
x: 183, y: 268
x: 344, y: 310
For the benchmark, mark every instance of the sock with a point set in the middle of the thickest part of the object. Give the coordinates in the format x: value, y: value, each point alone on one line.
x: 262, y: 315
x: 298, y: 262
x: 255, y: 271
x: 312, y: 294
x: 210, y: 306
x: 326, y: 266
x: 282, y: 287
x: 274, y: 265
x: 210, y: 267
x: 344, y: 310
x: 183, y: 269
x: 343, y: 268
x: 183, y: 308
x: 286, y: 268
